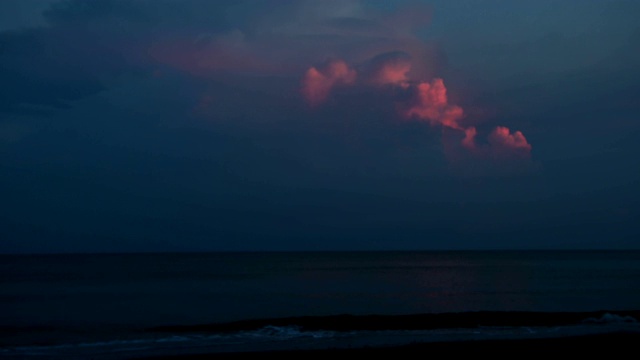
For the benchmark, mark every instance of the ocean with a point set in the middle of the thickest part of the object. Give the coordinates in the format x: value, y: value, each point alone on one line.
x: 113, y: 306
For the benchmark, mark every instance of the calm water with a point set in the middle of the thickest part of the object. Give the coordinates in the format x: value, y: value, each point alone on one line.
x: 61, y: 299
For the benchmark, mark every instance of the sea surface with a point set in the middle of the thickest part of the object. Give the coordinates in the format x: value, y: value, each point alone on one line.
x: 113, y: 306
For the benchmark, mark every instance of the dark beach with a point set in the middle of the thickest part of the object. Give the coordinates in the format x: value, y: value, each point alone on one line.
x: 596, y: 336
x: 112, y: 307
x: 613, y: 344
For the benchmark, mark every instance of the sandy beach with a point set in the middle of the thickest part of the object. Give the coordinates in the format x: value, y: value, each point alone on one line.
x: 583, y: 333
x: 615, y: 345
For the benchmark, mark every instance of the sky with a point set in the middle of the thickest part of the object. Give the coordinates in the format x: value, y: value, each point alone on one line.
x: 237, y: 125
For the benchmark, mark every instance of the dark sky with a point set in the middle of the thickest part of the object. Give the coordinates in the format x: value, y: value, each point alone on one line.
x: 198, y: 125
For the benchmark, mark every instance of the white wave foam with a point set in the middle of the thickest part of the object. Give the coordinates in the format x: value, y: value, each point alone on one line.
x: 286, y: 332
x: 284, y: 337
x: 608, y: 318
x: 273, y: 334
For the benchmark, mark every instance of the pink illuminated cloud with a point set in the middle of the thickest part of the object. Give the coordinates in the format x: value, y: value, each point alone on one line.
x: 469, y: 141
x: 504, y: 142
x: 392, y: 73
x: 430, y: 103
x: 318, y: 82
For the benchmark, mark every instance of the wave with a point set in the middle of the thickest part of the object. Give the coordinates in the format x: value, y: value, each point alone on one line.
x: 428, y: 321
x: 339, y: 331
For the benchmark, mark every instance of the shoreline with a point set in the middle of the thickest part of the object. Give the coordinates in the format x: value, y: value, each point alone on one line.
x: 361, y: 335
x: 420, y: 321
x: 611, y: 343
x: 582, y: 332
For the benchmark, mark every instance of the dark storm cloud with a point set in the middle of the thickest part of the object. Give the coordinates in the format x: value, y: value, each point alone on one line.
x: 181, y: 125
x: 84, y: 45
x: 87, y: 43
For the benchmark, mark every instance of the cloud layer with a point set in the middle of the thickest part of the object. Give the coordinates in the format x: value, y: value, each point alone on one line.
x: 318, y: 82
x: 211, y: 124
x: 427, y: 101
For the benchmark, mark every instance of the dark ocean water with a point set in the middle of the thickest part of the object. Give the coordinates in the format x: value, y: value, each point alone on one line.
x: 73, y: 306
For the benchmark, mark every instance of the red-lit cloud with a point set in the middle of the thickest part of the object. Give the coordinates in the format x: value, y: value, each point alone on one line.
x: 469, y: 141
x: 428, y: 102
x: 318, y: 82
x: 502, y: 144
x: 392, y: 73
